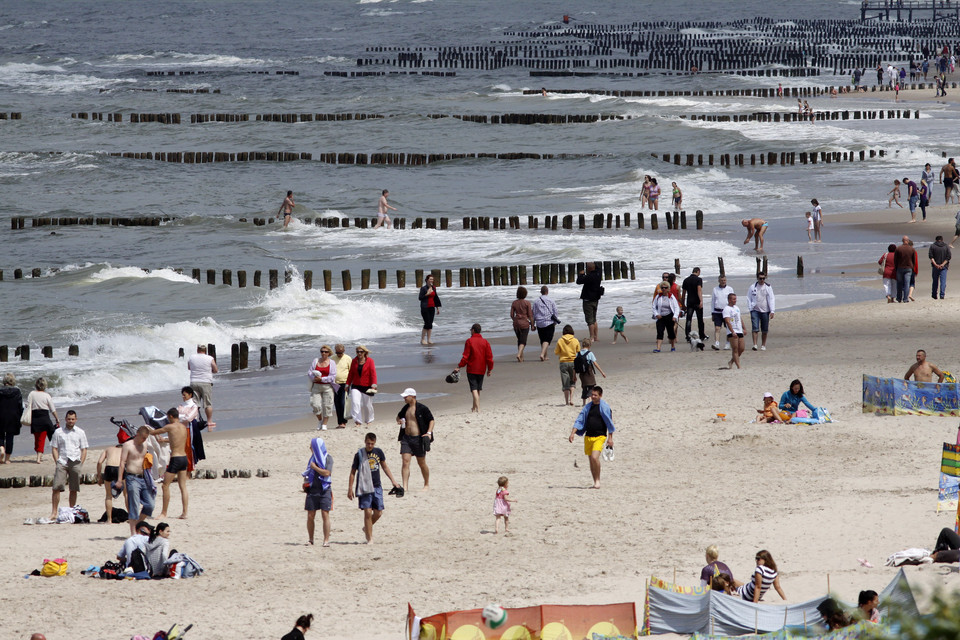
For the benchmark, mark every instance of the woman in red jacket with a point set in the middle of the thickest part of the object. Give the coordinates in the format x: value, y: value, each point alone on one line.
x: 363, y: 386
x: 888, y: 272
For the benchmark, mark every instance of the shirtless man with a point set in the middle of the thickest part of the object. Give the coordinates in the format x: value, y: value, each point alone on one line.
x: 948, y: 175
x: 922, y: 371
x: 756, y: 227
x: 140, y: 491
x: 177, y: 468
x: 108, y: 472
x: 287, y: 208
x: 382, y: 211
x: 416, y: 434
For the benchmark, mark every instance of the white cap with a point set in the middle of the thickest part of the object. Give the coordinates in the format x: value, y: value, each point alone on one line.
x: 768, y: 395
x: 409, y: 391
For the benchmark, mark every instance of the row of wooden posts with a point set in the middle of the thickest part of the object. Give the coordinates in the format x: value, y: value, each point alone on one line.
x: 405, y: 159
x: 756, y: 92
x: 23, y: 351
x: 10, y: 115
x: 793, y: 72
x: 191, y: 72
x: 364, y: 74
x: 793, y: 116
x: 783, y: 158
x: 674, y: 220
x: 20, y: 482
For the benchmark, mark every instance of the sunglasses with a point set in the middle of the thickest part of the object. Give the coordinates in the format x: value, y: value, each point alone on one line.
x: 324, y: 350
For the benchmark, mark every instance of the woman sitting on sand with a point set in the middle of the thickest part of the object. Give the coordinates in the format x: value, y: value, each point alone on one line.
x: 157, y: 550
x: 791, y: 400
x: 764, y: 576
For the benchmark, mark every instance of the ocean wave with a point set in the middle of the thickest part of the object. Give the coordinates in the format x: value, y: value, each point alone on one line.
x: 166, y: 58
x: 49, y: 79
x: 110, y: 273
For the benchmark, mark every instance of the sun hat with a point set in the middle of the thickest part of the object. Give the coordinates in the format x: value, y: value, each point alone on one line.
x: 768, y: 395
x: 409, y: 391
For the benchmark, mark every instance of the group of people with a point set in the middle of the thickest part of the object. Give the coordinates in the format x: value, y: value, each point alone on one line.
x: 333, y: 376
x: 900, y: 264
x: 650, y: 194
x: 383, y: 210
x: 416, y: 424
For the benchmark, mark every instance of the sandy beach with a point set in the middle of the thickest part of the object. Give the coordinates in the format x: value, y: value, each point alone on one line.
x: 818, y: 497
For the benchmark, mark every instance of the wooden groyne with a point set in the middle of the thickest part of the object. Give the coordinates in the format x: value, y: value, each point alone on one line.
x: 782, y: 158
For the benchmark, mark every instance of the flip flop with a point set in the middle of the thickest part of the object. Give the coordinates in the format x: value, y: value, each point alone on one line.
x: 864, y: 563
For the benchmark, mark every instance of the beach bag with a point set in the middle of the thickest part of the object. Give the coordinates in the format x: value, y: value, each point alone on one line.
x: 453, y: 377
x: 26, y: 416
x: 52, y: 568
x: 821, y: 415
x: 884, y: 265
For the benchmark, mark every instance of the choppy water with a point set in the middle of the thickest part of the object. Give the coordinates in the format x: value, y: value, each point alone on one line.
x: 57, y: 58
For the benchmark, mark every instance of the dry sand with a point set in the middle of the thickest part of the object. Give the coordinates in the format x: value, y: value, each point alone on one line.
x: 818, y: 497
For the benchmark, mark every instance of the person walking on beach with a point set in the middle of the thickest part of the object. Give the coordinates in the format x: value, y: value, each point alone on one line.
x: 590, y: 294
x: 923, y: 371
x: 501, y: 505
x: 429, y: 306
x: 817, y: 214
x: 43, y: 416
x: 645, y: 191
x: 691, y: 301
x: 521, y: 312
x: 913, y: 197
x: 888, y: 271
x: 756, y: 227
x: 718, y: 302
x: 762, y: 305
x: 343, y: 362
x: 677, y: 197
x: 202, y: 367
x: 809, y: 218
x: 731, y: 318
x: 948, y: 176
x: 365, y: 482
x: 382, y: 210
x: 138, y: 483
x: 595, y: 424
x: 322, y: 374
x: 653, y: 195
x: 287, y: 208
x: 587, y: 370
x: 940, y: 256
x: 665, y: 309
x: 317, y: 485
x: 11, y: 408
x: 903, y: 260
x: 416, y: 433
x: 362, y: 380
x: 69, y: 447
x: 923, y: 190
x: 177, y: 468
x: 478, y: 358
x: 928, y: 174
x: 545, y: 318
x: 566, y: 349
x: 618, y: 324
x: 894, y: 195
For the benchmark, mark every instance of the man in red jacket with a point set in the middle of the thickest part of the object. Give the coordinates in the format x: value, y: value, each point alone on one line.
x: 478, y: 356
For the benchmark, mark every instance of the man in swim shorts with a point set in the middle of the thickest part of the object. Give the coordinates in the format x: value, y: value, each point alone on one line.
x: 595, y: 424
x: 756, y: 227
x: 140, y: 497
x: 948, y: 175
x: 382, y: 210
x: 416, y: 433
x: 287, y: 208
x: 108, y: 472
x: 177, y: 468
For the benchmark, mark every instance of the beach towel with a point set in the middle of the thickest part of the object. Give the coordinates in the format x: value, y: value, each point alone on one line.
x: 907, y: 556
x: 318, y: 457
x: 365, y: 475
x: 190, y: 567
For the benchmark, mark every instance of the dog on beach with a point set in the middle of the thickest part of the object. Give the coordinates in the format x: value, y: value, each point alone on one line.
x: 696, y: 343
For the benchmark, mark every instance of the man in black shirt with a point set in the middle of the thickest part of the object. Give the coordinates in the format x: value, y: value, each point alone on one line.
x: 595, y: 424
x: 590, y: 294
x: 691, y: 300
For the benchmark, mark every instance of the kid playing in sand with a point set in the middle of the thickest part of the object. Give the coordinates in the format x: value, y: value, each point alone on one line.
x: 770, y: 412
x: 809, y: 226
x: 619, y: 320
x: 501, y: 505
x: 894, y: 195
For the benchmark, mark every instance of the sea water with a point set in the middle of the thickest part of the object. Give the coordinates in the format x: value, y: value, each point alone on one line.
x: 115, y: 291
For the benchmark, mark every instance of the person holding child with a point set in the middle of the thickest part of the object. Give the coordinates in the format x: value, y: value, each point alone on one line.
x: 501, y: 504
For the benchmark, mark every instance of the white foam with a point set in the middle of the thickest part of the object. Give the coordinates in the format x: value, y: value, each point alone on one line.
x: 49, y: 79
x: 110, y: 273
x: 167, y: 58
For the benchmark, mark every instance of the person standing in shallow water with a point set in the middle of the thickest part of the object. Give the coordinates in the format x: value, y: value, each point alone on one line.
x: 429, y: 306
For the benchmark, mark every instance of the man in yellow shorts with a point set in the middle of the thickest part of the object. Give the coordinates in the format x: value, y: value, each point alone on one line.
x: 595, y: 424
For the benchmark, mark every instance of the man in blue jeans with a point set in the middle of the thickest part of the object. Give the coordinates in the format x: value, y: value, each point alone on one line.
x: 904, y: 259
x: 141, y: 492
x: 940, y: 256
x: 365, y: 471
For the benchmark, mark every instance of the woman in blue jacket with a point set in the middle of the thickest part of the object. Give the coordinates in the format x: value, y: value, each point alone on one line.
x: 792, y: 399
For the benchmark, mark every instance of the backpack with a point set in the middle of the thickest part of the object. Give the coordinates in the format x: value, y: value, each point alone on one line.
x: 580, y: 363
x: 111, y: 570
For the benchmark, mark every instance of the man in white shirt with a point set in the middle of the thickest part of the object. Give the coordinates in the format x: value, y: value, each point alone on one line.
x: 719, y: 301
x: 731, y: 318
x: 762, y: 305
x: 69, y: 446
x: 202, y: 367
